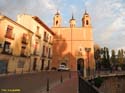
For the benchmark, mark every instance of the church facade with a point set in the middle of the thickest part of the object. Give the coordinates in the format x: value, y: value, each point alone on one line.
x: 73, y: 46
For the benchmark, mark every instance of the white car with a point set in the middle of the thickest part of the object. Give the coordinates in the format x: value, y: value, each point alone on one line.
x: 63, y: 68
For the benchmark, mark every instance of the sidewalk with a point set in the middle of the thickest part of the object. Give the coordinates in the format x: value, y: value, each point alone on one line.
x: 68, y: 86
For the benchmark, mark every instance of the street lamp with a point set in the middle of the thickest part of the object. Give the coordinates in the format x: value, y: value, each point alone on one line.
x: 88, y: 69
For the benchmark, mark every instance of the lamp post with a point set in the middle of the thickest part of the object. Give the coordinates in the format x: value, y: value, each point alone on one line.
x: 88, y: 69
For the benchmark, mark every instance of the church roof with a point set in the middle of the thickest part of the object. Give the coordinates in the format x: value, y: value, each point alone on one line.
x: 43, y: 24
x: 57, y: 13
x: 72, y: 18
x: 86, y: 13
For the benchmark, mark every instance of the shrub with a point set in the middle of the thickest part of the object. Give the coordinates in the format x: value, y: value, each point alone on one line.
x: 98, y: 81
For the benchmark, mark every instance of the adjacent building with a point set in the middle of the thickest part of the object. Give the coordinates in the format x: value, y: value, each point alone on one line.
x: 25, y: 45
x: 42, y: 41
x: 74, y: 46
x: 15, y: 46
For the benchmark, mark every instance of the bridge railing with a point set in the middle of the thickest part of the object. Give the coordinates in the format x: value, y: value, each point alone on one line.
x: 109, y: 73
x: 86, y: 87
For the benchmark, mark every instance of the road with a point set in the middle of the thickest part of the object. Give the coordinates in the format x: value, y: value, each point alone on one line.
x: 34, y: 82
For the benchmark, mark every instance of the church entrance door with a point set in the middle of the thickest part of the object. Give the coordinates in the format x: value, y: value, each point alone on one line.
x: 80, y: 66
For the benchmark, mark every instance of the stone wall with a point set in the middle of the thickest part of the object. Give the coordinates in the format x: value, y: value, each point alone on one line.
x: 113, y: 85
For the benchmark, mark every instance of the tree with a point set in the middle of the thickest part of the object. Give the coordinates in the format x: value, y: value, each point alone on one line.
x: 105, y: 58
x: 120, y: 56
x: 113, y: 58
x: 97, y: 59
x: 97, y: 56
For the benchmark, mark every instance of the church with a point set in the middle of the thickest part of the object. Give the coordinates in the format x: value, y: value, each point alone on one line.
x: 73, y: 46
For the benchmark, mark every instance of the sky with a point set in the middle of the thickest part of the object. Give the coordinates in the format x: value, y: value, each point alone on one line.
x: 108, y: 16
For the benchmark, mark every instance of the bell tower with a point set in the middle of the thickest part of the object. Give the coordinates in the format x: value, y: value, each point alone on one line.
x: 72, y: 22
x: 86, y: 21
x: 57, y: 20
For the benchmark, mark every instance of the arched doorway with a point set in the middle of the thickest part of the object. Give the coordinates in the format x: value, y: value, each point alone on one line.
x: 80, y: 66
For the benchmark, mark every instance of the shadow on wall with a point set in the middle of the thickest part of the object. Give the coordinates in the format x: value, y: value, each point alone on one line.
x: 62, y: 53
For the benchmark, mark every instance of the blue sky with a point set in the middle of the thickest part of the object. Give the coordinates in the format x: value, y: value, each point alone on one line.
x: 108, y: 16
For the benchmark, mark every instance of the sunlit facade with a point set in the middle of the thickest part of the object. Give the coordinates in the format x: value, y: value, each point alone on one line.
x: 42, y: 41
x: 25, y: 45
x: 15, y: 46
x: 74, y: 46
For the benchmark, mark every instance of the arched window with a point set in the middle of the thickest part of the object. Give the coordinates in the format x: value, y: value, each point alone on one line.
x: 56, y: 22
x: 87, y: 22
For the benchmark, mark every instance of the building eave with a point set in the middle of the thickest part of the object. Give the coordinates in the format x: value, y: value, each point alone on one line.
x: 43, y: 24
x: 5, y: 17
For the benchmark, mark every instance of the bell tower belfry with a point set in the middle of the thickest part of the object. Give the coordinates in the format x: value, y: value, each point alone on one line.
x: 86, y: 21
x: 57, y: 20
x: 73, y: 46
x: 72, y: 22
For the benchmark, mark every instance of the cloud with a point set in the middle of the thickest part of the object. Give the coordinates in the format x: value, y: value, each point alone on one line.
x: 108, y: 21
x: 42, y: 8
x: 108, y: 16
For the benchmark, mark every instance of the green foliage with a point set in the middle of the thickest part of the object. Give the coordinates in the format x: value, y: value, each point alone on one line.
x: 103, y: 59
x: 120, y: 56
x: 98, y: 81
x: 106, y: 58
x: 113, y: 57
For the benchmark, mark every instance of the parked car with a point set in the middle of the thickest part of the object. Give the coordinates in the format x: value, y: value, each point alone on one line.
x: 63, y: 68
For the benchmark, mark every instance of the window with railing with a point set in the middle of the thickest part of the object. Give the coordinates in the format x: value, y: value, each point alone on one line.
x: 47, y: 37
x: 36, y: 49
x: 48, y: 66
x: 23, y: 48
x: 43, y: 53
x: 49, y: 53
x: 42, y: 64
x: 44, y: 38
x: 37, y: 32
x: 50, y: 40
x: 6, y: 48
x: 24, y: 39
x: 9, y: 32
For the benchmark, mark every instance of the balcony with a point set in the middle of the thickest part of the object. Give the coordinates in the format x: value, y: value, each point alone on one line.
x: 24, y: 41
x: 51, y: 43
x: 45, y: 40
x: 43, y: 55
x: 7, y: 51
x: 38, y: 35
x: 36, y: 53
x: 50, y: 55
x: 10, y: 36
